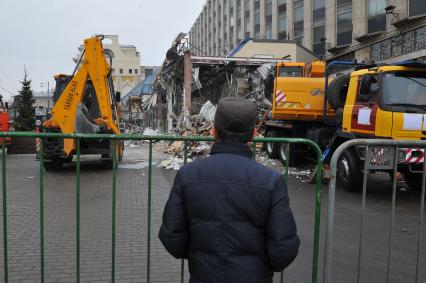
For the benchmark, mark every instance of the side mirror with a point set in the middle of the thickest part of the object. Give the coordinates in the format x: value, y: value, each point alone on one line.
x: 118, y: 96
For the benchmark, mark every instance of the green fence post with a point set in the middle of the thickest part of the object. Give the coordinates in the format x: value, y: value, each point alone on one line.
x: 287, y: 162
x: 114, y: 197
x: 3, y: 159
x: 148, y: 253
x: 41, y: 213
x: 182, y: 262
x: 317, y: 216
x: 78, y: 212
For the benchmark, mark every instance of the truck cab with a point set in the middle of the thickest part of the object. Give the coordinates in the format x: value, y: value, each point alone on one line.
x: 387, y: 102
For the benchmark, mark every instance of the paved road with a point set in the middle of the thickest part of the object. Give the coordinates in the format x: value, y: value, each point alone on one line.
x: 23, y: 225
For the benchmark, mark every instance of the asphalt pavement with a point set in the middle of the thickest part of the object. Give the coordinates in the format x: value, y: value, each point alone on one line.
x: 132, y: 211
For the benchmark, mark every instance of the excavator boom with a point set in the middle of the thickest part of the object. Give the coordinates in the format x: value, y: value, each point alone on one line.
x: 93, y: 67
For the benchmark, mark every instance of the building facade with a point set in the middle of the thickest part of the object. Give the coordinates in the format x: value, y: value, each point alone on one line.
x: 126, y: 69
x: 368, y: 30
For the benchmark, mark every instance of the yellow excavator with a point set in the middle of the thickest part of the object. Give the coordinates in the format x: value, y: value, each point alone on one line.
x: 84, y: 102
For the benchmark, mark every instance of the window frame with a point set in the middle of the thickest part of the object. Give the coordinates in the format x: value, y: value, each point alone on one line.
x: 337, y: 18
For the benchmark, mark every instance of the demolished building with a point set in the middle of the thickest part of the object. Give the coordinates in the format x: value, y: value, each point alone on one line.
x: 186, y: 82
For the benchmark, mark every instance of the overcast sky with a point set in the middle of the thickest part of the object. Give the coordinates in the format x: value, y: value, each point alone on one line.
x: 44, y: 35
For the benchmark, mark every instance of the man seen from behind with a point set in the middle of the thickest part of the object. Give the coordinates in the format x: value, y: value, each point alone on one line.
x: 226, y: 213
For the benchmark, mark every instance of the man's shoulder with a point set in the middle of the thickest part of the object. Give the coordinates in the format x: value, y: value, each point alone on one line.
x: 216, y: 162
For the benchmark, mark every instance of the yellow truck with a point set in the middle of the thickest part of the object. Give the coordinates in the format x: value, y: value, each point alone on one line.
x: 84, y: 102
x: 386, y: 101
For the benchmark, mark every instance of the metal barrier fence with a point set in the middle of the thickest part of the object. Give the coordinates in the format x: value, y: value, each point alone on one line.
x: 379, y: 155
x: 115, y: 139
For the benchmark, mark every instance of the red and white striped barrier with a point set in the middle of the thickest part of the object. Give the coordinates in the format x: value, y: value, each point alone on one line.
x: 37, y: 144
x: 414, y: 155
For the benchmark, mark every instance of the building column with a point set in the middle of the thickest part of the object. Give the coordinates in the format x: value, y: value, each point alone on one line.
x: 209, y: 27
x: 359, y: 18
x: 401, y: 7
x: 262, y: 19
x: 204, y: 30
x: 274, y: 19
x: 330, y: 23
x: 252, y: 18
x: 289, y: 19
x: 307, y: 25
x: 234, y: 35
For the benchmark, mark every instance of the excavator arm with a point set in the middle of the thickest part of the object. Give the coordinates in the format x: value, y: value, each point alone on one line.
x: 93, y: 66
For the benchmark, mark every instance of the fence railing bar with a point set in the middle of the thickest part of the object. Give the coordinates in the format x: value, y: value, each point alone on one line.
x: 77, y: 200
x: 151, y: 139
x: 317, y: 225
x: 361, y: 231
x: 5, y: 260
x: 182, y: 261
x: 332, y: 191
x: 287, y: 163
x: 41, y: 212
x: 421, y: 223
x: 392, y: 224
x: 114, y: 202
x: 148, y: 262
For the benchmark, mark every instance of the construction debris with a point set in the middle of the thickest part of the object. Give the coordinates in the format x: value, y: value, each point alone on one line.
x: 173, y: 163
x: 150, y: 132
x: 208, y: 110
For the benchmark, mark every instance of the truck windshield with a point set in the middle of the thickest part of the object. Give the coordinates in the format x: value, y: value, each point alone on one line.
x: 291, y: 71
x: 404, y: 90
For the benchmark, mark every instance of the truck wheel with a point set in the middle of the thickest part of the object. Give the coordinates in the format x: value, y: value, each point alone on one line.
x: 54, y: 164
x: 349, y: 170
x: 413, y: 180
x: 272, y: 148
x: 295, y: 158
x: 337, y: 91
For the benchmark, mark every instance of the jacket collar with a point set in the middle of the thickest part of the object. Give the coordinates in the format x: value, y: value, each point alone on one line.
x: 232, y: 148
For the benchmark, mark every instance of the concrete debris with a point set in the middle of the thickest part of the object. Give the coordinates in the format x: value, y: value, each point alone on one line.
x: 208, y: 110
x: 173, y: 163
x: 150, y: 132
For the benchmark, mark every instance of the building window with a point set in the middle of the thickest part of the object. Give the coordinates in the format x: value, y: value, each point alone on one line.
x: 268, y: 18
x: 282, y: 19
x: 238, y: 17
x: 130, y: 71
x: 416, y: 7
x: 298, y: 20
x: 318, y: 41
x: 344, y: 22
x: 257, y: 19
x: 247, y: 28
x: 376, y: 15
x: 318, y: 30
x: 136, y: 71
x: 121, y: 71
x: 113, y: 71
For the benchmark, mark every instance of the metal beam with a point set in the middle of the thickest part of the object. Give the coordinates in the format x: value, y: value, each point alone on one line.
x: 247, y: 60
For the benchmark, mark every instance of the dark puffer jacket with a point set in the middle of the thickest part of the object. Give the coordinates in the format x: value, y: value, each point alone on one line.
x: 230, y: 217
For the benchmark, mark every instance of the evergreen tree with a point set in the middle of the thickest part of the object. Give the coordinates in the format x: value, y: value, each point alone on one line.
x: 25, y: 116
